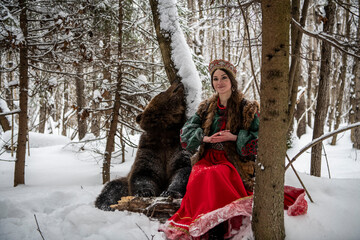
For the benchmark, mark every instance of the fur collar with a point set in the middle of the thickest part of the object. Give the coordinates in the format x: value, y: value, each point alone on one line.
x: 244, y: 109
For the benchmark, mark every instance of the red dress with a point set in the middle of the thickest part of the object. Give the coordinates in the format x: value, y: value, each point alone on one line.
x: 215, y: 194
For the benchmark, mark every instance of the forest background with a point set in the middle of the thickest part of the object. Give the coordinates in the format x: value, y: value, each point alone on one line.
x: 74, y: 60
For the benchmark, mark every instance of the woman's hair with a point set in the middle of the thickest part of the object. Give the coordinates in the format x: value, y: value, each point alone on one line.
x: 234, y: 98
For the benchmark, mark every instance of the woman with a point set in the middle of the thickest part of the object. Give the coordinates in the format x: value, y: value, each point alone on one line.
x: 218, y: 199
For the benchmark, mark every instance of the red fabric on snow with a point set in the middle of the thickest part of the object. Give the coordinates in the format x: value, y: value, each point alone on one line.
x: 215, y: 194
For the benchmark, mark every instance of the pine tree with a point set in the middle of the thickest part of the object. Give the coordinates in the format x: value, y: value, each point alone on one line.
x: 268, y: 213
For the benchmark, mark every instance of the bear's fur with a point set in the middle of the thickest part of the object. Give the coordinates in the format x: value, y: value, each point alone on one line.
x: 161, y: 166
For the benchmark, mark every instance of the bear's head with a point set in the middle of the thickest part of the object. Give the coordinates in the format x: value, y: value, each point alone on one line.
x: 165, y: 111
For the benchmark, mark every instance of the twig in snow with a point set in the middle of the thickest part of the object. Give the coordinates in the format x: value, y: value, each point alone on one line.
x: 297, y: 175
x: 142, y: 231
x: 327, y: 162
x: 38, y: 228
x: 355, y: 154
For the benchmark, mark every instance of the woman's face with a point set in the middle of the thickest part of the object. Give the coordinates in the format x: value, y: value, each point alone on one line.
x: 221, y: 82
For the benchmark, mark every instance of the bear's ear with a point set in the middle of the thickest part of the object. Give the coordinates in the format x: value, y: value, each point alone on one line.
x: 138, y: 118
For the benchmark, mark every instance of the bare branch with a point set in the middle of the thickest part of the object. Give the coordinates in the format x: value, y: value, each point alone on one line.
x: 10, y: 113
x: 38, y: 228
x: 320, y: 139
x: 340, y: 45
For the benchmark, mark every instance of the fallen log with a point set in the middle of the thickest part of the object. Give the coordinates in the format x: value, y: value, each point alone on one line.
x: 159, y: 208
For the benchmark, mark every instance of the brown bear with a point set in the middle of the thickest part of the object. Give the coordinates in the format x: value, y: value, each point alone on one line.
x: 161, y: 166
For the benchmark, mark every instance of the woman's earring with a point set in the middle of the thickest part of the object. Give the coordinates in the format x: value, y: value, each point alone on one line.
x: 233, y: 89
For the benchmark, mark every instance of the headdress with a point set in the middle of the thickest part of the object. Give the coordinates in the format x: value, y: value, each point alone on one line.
x: 222, y: 64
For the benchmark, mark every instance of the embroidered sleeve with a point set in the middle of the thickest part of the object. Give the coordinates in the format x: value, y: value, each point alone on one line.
x: 246, y: 142
x: 191, y: 134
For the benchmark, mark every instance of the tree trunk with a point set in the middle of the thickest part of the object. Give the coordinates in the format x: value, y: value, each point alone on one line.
x: 223, y: 32
x: 268, y: 210
x: 122, y: 143
x: 164, y: 39
x: 106, y: 72
x: 335, y: 79
x: 95, y: 115
x: 65, y: 108
x: 115, y: 114
x: 357, y: 107
x: 300, y: 111
x: 308, y: 90
x: 19, y: 175
x: 42, y: 117
x: 355, y: 102
x: 295, y: 59
x: 81, y: 117
x: 323, y: 92
x: 342, y: 79
x: 312, y: 71
x: 8, y: 91
x: 201, y: 31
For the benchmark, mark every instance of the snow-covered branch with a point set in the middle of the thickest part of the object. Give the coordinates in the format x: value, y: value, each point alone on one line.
x: 338, y: 44
x: 10, y: 112
x: 320, y: 139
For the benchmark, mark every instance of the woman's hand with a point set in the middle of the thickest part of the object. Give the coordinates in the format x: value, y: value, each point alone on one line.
x: 222, y: 136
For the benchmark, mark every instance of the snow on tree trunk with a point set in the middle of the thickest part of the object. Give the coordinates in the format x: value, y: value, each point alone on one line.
x: 4, y: 121
x: 176, y: 53
x: 268, y: 210
x: 19, y: 175
x: 323, y: 92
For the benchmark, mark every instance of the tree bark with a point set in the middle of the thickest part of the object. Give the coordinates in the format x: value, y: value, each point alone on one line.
x: 295, y: 59
x: 323, y: 91
x: 342, y: 79
x: 308, y: 90
x: 335, y: 80
x: 65, y: 108
x: 164, y: 39
x: 115, y: 114
x: 81, y: 118
x: 201, y: 31
x: 106, y: 72
x: 268, y: 210
x: 19, y: 175
x: 9, y: 91
x: 95, y: 115
x: 301, y: 120
x: 355, y: 102
x: 42, y: 117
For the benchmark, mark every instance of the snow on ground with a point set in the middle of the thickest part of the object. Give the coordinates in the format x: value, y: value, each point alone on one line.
x: 62, y: 184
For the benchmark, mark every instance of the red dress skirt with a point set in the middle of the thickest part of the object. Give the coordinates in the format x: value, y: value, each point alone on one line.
x: 215, y: 194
